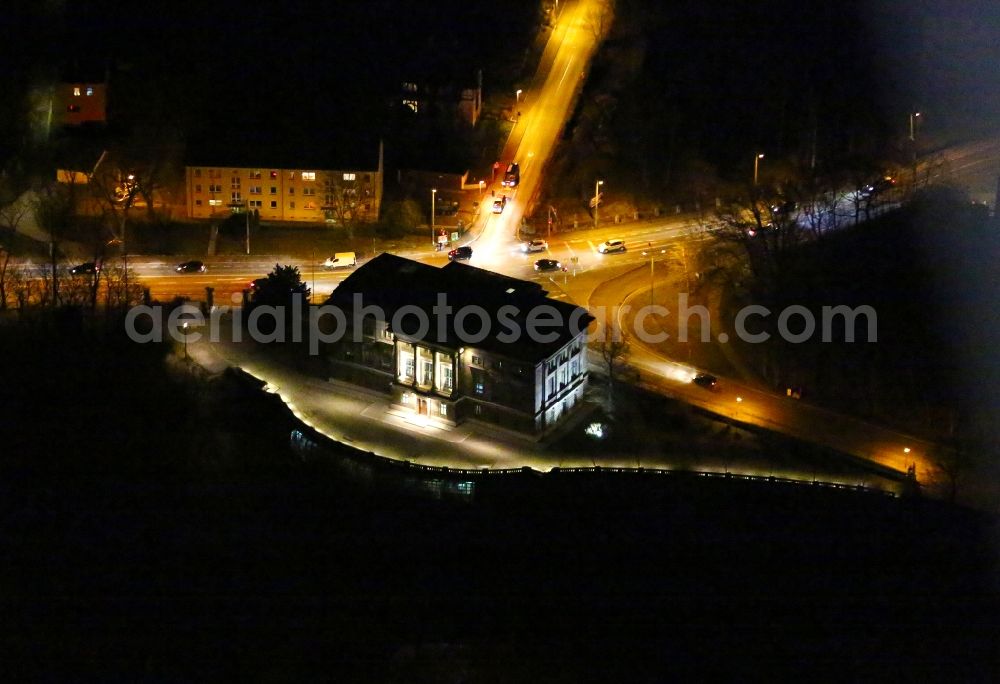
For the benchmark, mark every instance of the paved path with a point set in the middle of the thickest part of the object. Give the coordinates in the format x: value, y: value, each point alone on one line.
x: 366, y: 421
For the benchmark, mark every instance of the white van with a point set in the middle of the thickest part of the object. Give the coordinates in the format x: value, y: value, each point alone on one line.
x: 341, y: 260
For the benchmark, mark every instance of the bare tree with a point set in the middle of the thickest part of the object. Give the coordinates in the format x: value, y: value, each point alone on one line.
x: 53, y: 211
x: 121, y: 288
x: 768, y: 232
x: 613, y: 349
x: 12, y: 212
x: 600, y: 18
x: 24, y: 286
x: 346, y: 201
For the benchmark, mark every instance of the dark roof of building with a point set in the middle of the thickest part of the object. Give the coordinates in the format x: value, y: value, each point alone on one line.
x: 289, y: 150
x: 391, y: 282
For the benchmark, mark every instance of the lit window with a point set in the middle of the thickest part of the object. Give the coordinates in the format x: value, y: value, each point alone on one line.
x: 308, y: 175
x: 348, y: 176
x: 214, y: 202
x: 444, y: 409
x: 90, y: 91
x: 255, y: 175
x: 76, y: 91
x: 412, y: 104
x: 477, y: 360
x: 480, y: 388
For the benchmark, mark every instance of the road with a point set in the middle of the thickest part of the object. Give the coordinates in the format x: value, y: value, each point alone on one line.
x: 545, y: 107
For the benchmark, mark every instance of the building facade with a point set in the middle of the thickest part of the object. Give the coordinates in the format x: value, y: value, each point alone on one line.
x: 444, y: 374
x: 80, y: 102
x: 333, y: 197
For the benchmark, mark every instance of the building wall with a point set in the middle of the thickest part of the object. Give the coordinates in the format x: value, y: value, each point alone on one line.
x: 489, y: 387
x: 301, y: 195
x: 79, y: 103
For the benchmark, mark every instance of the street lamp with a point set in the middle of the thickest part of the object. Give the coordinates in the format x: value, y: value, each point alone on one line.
x: 756, y: 166
x: 652, y: 256
x: 248, y: 227
x: 185, y: 340
x: 517, y: 97
x: 433, y: 209
x: 913, y: 121
x: 482, y: 185
x: 597, y: 199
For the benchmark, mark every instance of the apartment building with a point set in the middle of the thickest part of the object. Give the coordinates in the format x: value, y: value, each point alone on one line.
x: 349, y: 193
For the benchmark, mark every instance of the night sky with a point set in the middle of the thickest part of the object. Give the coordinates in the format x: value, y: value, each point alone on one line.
x: 315, y: 62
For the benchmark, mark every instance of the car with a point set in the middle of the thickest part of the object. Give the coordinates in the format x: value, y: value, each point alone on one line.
x: 709, y: 382
x: 512, y: 176
x: 534, y: 246
x: 547, y: 265
x: 499, y: 204
x: 341, y: 260
x: 611, y: 246
x: 88, y: 268
x: 191, y: 267
x: 877, y: 187
x: 460, y: 253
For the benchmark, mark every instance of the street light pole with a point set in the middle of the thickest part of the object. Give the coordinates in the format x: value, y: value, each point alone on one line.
x: 248, y: 227
x: 652, y: 257
x: 433, y: 209
x: 185, y: 340
x: 756, y: 166
x: 913, y: 117
x: 518, y: 95
x: 597, y: 199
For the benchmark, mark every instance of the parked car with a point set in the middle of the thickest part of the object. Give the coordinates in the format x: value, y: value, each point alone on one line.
x: 460, y: 253
x: 499, y: 204
x: 341, y: 260
x: 534, y: 246
x: 547, y: 265
x: 709, y: 382
x: 611, y: 246
x: 88, y: 268
x: 191, y: 267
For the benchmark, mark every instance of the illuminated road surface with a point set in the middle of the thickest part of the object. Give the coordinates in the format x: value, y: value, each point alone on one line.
x: 545, y: 108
